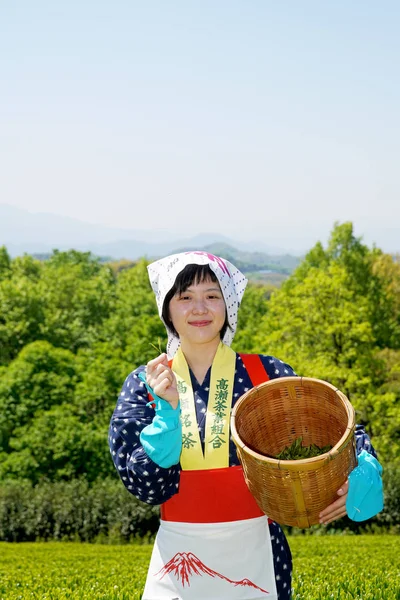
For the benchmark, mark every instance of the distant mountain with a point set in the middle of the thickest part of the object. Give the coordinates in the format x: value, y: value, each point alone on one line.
x: 249, y: 261
x: 40, y: 233
x: 24, y: 228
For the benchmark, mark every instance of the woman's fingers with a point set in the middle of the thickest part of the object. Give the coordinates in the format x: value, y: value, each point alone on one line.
x: 344, y: 489
x: 162, y: 386
x: 153, y: 364
x: 161, y: 379
x: 165, y: 376
x: 337, y: 515
x: 337, y: 509
x: 161, y: 368
x: 331, y: 511
x: 159, y: 373
x: 155, y: 368
x: 165, y: 387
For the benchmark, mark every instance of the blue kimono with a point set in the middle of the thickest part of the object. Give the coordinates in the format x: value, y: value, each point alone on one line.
x: 153, y: 484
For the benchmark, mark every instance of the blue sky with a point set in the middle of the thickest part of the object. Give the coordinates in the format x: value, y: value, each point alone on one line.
x: 253, y: 118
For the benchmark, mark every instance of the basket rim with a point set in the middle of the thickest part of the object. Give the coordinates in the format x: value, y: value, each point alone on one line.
x: 303, y: 464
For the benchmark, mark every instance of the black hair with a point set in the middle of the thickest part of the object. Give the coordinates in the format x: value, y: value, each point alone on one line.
x: 191, y: 274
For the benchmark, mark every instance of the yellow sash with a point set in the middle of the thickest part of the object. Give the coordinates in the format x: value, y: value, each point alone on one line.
x: 216, y: 448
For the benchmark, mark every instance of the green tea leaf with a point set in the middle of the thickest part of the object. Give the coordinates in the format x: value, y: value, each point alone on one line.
x: 296, y: 451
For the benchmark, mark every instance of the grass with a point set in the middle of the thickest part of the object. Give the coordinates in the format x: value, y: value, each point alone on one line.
x: 325, y: 568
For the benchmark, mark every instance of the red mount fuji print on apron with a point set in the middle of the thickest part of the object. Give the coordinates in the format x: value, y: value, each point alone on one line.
x: 185, y: 565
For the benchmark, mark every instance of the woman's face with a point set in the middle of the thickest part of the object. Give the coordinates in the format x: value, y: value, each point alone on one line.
x: 198, y: 313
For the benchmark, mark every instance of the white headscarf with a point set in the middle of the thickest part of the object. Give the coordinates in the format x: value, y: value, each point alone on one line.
x: 163, y: 274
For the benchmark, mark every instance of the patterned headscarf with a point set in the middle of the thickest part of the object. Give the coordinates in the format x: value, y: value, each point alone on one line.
x: 163, y: 274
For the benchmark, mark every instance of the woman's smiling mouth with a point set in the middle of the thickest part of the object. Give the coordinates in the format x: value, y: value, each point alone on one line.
x: 199, y: 323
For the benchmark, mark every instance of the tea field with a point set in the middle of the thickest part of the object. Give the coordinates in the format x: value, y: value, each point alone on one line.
x: 325, y: 568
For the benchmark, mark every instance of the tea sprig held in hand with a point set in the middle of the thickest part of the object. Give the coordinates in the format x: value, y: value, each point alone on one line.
x: 159, y: 349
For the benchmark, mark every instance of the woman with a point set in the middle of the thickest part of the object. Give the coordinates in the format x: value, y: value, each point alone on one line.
x: 175, y: 450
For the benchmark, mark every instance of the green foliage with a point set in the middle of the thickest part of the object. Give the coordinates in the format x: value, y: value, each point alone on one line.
x: 134, y: 325
x: 321, y: 328
x: 74, y: 510
x: 102, y: 370
x: 390, y: 516
x: 54, y: 413
x: 72, y: 328
x: 61, y: 571
x: 385, y: 281
x: 5, y: 263
x: 337, y: 568
x: 21, y: 310
x: 296, y: 451
x: 57, y: 445
x: 70, y: 335
x: 341, y: 568
x: 253, y: 308
x: 26, y: 266
x: 338, y: 319
x: 343, y: 249
x: 120, y: 265
x: 63, y: 301
x: 39, y: 378
x: 77, y: 294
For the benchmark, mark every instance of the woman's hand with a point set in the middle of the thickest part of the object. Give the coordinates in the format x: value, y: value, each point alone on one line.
x: 337, y: 509
x: 162, y: 380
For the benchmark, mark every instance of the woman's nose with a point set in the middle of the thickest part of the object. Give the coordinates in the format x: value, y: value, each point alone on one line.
x: 199, y: 306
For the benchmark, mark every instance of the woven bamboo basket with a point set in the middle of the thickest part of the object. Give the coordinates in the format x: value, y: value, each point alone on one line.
x: 269, y: 418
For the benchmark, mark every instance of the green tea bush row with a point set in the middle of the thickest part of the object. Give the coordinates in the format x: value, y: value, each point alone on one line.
x: 103, y: 511
x: 75, y: 510
x: 329, y: 568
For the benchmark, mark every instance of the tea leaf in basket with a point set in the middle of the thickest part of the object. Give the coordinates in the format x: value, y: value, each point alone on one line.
x: 297, y: 452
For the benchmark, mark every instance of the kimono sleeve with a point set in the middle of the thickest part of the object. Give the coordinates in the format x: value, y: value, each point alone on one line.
x: 276, y: 368
x: 141, y: 476
x: 363, y: 441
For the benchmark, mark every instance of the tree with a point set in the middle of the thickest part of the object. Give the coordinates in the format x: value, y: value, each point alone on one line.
x: 5, y: 263
x: 21, y: 308
x: 253, y: 309
x: 337, y: 319
x: 385, y: 292
x: 39, y: 378
x: 57, y: 445
x: 101, y: 372
x: 77, y: 294
x: 343, y: 249
x: 321, y: 328
x: 134, y: 328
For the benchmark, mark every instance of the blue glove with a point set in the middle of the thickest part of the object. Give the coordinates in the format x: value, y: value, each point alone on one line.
x: 162, y: 439
x: 365, y: 495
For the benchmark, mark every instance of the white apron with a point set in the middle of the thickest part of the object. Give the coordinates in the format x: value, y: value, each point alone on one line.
x: 225, y: 560
x: 212, y: 561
